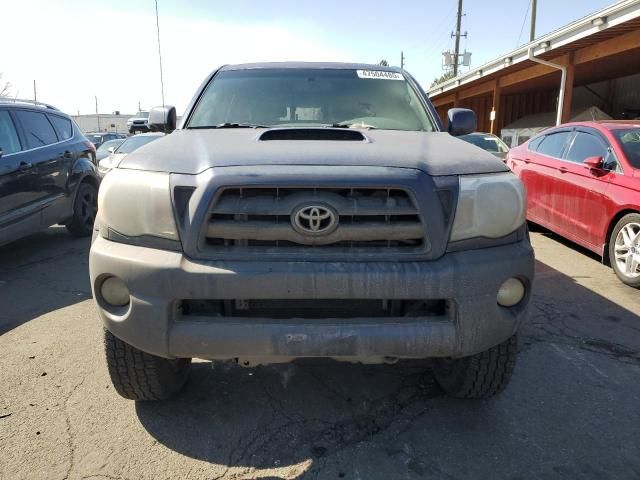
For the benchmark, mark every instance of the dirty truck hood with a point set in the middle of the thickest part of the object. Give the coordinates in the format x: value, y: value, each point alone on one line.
x: 194, y: 151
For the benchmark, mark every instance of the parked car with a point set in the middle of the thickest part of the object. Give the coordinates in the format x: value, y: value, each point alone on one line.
x: 138, y: 123
x: 47, y: 172
x: 125, y: 148
x: 98, y: 138
x: 488, y: 142
x: 583, y: 182
x: 107, y: 148
x: 311, y: 210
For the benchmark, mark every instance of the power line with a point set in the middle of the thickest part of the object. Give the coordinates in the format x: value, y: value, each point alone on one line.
x: 524, y: 20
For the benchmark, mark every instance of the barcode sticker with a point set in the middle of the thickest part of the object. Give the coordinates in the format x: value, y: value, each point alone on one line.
x: 380, y: 75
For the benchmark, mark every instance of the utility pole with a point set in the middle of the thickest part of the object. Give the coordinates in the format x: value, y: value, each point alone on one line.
x: 457, y: 35
x: 35, y: 96
x: 401, y: 60
x: 97, y: 115
x: 532, y: 33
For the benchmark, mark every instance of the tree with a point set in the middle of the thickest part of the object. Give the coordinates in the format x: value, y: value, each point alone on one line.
x: 5, y: 88
x: 384, y: 63
x: 443, y: 78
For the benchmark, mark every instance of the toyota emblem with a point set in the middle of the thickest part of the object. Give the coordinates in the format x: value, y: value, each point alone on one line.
x: 314, y: 219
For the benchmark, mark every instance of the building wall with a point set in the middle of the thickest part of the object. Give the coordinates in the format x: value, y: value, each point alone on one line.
x: 613, y: 97
x: 102, y: 123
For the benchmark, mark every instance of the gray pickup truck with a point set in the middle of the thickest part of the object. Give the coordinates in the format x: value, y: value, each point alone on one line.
x: 311, y: 210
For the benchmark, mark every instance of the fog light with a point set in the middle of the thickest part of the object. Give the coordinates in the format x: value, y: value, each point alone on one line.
x: 511, y: 293
x: 115, y: 292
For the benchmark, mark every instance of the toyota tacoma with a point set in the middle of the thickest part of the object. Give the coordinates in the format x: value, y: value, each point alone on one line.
x: 310, y: 210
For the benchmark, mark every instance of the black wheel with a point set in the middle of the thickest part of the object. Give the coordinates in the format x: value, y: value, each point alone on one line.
x: 84, y: 211
x: 624, y: 249
x: 478, y: 376
x: 137, y: 375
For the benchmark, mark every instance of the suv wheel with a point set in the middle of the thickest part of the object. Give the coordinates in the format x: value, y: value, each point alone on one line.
x: 478, y: 376
x: 84, y: 211
x: 137, y: 375
x: 624, y: 249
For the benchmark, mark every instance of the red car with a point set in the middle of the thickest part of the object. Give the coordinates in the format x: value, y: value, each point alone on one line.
x: 583, y: 182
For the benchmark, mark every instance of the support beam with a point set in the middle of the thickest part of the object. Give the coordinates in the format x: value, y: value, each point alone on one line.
x: 568, y: 88
x: 495, y: 124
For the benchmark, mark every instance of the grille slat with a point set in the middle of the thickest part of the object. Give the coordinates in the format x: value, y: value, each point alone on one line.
x: 369, y: 219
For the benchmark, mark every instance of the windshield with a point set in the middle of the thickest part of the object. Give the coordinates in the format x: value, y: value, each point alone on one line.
x: 311, y: 97
x: 142, y: 115
x: 486, y: 142
x: 111, y: 143
x: 95, y: 138
x: 135, y: 142
x: 629, y: 139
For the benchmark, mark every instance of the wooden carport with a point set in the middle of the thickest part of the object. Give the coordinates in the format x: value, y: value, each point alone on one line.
x: 603, y: 46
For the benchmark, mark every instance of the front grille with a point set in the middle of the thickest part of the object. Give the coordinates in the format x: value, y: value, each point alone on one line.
x: 367, y: 219
x: 317, y: 309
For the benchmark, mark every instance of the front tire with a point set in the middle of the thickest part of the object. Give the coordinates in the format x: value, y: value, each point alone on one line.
x: 137, y: 375
x: 84, y: 211
x: 624, y: 249
x: 478, y: 376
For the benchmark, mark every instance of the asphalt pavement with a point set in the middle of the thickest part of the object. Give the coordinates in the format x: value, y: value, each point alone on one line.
x: 572, y: 409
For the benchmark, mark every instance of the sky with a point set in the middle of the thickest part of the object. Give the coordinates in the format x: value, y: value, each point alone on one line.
x: 77, y: 50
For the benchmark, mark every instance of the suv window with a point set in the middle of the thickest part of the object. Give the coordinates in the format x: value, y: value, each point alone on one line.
x: 37, y: 128
x: 586, y: 145
x: 553, y: 144
x: 9, y: 142
x: 63, y: 125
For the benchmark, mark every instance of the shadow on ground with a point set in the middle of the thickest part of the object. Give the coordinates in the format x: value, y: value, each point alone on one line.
x: 42, y: 273
x: 578, y: 352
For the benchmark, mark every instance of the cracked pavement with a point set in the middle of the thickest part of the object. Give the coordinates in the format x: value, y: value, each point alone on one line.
x: 571, y: 410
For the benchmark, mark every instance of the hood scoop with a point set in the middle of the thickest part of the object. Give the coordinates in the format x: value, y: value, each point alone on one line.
x: 339, y: 134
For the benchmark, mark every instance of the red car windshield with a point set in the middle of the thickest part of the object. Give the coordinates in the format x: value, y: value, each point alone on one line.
x: 629, y: 139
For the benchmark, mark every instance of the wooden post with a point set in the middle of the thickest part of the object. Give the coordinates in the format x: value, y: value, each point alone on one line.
x: 495, y: 126
x: 568, y: 88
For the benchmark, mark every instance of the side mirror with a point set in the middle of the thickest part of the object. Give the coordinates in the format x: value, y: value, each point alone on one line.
x: 593, y: 163
x: 461, y: 121
x: 162, y: 119
x: 111, y: 149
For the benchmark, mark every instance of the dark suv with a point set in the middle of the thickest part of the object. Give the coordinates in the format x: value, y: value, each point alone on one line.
x: 47, y: 172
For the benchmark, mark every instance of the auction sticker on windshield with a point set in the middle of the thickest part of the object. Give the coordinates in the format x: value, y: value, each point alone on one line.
x: 380, y: 74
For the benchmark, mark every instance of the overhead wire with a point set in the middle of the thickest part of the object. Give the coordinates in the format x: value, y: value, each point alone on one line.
x: 524, y: 21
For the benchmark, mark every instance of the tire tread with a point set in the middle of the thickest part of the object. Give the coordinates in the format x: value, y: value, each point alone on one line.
x: 137, y: 375
x: 479, y: 376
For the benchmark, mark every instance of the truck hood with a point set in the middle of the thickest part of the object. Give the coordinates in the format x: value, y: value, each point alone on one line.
x: 194, y: 151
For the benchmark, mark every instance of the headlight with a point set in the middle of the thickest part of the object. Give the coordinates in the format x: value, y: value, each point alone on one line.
x: 134, y: 203
x: 489, y: 206
x: 104, y: 166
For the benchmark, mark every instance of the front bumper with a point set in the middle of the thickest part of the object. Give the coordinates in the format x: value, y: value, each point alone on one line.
x: 159, y: 280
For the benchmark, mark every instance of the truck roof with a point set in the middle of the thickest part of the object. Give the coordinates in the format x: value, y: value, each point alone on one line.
x: 314, y: 65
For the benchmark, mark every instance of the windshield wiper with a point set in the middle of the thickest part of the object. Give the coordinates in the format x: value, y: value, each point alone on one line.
x: 352, y: 125
x: 231, y: 125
